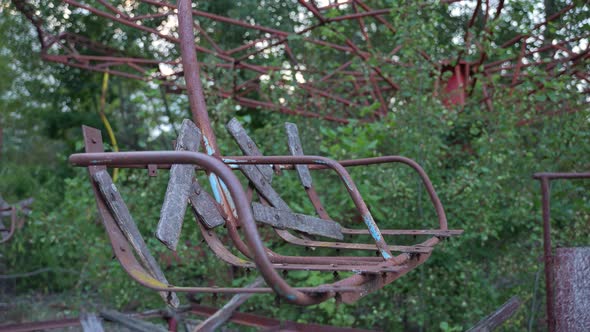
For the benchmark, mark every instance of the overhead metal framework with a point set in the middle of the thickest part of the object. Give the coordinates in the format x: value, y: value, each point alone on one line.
x: 322, y: 61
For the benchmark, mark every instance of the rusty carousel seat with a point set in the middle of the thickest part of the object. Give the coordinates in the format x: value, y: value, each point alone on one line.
x: 368, y: 273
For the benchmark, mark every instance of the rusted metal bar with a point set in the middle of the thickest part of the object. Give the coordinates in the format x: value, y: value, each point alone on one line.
x: 360, y: 15
x: 208, y: 38
x: 335, y: 71
x: 191, y: 75
x: 245, y: 319
x: 561, y: 175
x: 362, y: 26
x: 319, y: 164
x: 545, y: 178
x: 274, y: 38
x: 547, y: 248
x: 313, y: 9
x: 280, y: 261
x: 377, y: 17
x: 219, y: 318
x: 371, y: 283
x: 271, y: 324
x: 369, y: 265
x: 416, y: 249
x: 335, y: 4
x: 199, y: 111
x: 296, y: 149
x: 44, y: 325
x: 279, y: 33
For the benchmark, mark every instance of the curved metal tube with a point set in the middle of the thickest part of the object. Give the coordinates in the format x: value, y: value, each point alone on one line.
x: 440, y: 211
x: 344, y: 176
x: 313, y: 196
x: 234, y: 161
x: 287, y: 162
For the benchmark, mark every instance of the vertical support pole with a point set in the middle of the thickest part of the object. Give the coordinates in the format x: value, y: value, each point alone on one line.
x: 172, y: 324
x: 548, y: 257
x: 190, y: 66
x: 196, y: 98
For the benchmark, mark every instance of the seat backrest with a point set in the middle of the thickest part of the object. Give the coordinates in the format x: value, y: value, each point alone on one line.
x: 279, y: 214
x: 118, y: 220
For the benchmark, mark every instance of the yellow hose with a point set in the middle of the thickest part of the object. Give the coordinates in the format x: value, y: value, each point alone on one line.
x: 105, y: 121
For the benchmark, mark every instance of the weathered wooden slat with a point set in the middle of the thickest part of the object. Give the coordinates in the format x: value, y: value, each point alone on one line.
x: 261, y: 177
x: 205, y: 207
x: 248, y: 147
x: 179, y: 188
x: 264, y: 187
x: 131, y: 323
x: 125, y: 221
x: 224, y: 314
x: 297, y: 150
x: 91, y: 323
x: 498, y: 317
x: 284, y: 219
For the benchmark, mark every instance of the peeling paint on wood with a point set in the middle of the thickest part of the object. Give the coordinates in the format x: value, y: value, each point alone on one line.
x: 179, y: 188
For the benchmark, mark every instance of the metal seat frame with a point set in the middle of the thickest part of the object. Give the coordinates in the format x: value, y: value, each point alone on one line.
x: 371, y: 273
